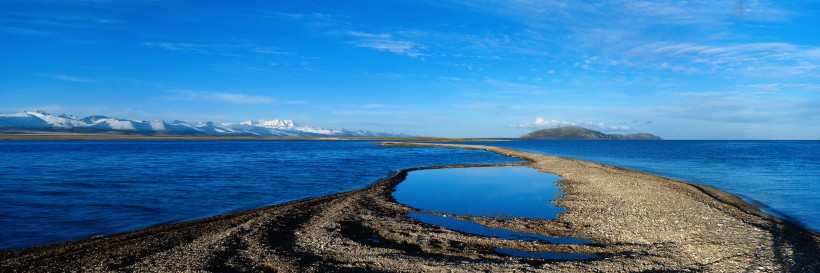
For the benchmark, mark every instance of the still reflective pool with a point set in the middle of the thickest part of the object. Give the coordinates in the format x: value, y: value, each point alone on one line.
x: 498, y: 192
x: 483, y: 191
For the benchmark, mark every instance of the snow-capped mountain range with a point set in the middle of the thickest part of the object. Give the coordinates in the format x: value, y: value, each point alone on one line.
x: 42, y: 121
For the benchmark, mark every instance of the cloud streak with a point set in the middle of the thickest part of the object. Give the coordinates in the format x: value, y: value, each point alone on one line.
x: 737, y: 108
x: 542, y: 123
x: 622, y: 36
x: 74, y: 79
x: 484, y: 107
x: 783, y: 58
x: 225, y: 97
x: 25, y: 31
x: 386, y: 42
x: 241, y: 48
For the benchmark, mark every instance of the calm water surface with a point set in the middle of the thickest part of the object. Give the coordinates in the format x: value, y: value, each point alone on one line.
x: 499, y: 192
x: 53, y: 191
x: 783, y: 175
x: 484, y: 191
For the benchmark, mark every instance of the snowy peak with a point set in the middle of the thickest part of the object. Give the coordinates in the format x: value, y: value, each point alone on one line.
x: 30, y: 119
x: 93, y: 119
x: 42, y: 121
x: 276, y: 123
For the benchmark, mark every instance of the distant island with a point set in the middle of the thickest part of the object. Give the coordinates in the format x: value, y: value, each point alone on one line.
x: 580, y: 133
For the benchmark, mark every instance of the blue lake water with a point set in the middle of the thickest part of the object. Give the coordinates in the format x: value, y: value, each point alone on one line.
x: 782, y: 175
x: 53, y: 191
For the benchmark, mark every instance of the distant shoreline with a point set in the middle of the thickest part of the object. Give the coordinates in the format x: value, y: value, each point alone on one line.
x: 63, y: 136
x: 48, y: 136
x: 646, y: 223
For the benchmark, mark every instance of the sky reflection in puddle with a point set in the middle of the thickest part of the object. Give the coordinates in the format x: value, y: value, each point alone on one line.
x: 498, y: 192
x: 483, y: 191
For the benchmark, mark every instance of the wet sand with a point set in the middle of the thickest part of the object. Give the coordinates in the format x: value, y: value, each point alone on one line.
x: 645, y: 222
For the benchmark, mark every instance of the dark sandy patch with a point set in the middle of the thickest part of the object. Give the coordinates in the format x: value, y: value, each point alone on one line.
x: 646, y: 222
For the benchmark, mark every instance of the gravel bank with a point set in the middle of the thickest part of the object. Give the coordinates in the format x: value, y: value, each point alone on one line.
x: 646, y: 222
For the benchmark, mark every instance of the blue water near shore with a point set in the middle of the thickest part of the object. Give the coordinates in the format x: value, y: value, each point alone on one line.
x: 783, y: 176
x: 53, y: 191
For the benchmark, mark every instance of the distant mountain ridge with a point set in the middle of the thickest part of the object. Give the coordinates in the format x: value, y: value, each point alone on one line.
x: 580, y: 133
x: 42, y: 121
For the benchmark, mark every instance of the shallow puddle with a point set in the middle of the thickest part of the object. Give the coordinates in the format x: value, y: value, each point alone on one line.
x: 483, y: 191
x: 498, y: 192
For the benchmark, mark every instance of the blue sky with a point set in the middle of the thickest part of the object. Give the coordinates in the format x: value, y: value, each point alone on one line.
x: 679, y: 69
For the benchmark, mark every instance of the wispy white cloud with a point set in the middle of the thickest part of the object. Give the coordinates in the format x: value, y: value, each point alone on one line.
x: 352, y: 111
x: 386, y: 42
x: 380, y: 110
x: 751, y: 58
x: 25, y: 31
x: 737, y: 107
x: 233, y: 98
x: 233, y: 49
x: 777, y: 87
x: 618, y: 36
x: 386, y: 76
x: 315, y: 21
x: 200, y: 48
x: 542, y: 123
x: 73, y: 79
x: 812, y: 53
x: 510, y: 87
x: 54, y: 23
x: 382, y: 106
x: 647, y: 12
x: 329, y: 24
x: 484, y: 107
x: 271, y: 51
x: 704, y: 11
